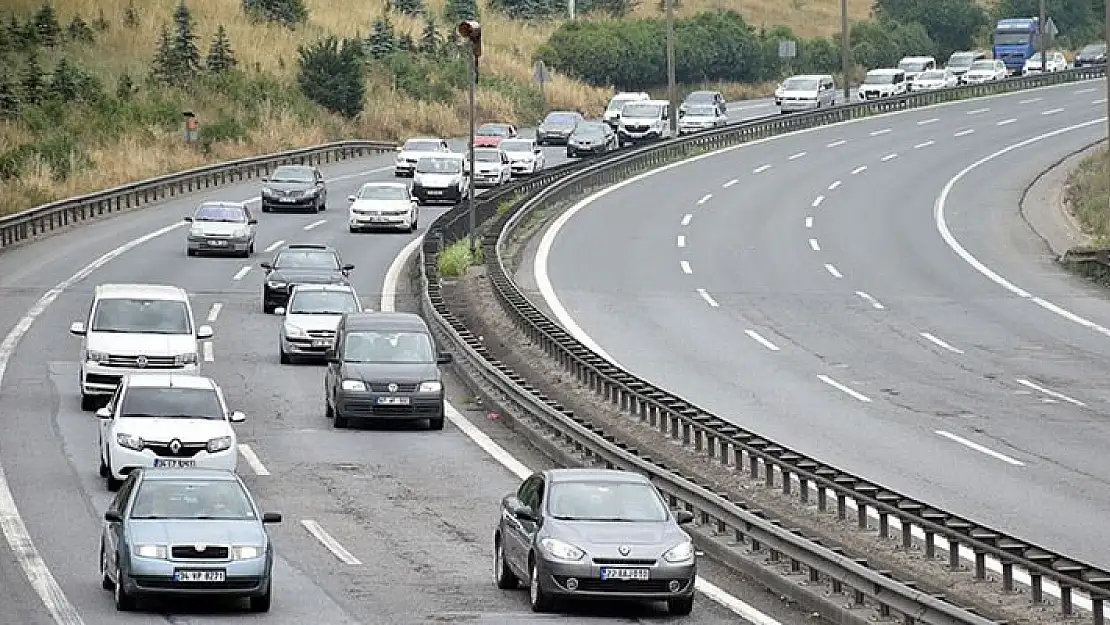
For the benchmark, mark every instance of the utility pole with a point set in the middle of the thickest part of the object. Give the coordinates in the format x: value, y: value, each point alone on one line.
x: 1107, y: 79
x: 845, y: 52
x: 1042, y: 37
x: 570, y: 8
x: 472, y: 31
x: 672, y: 90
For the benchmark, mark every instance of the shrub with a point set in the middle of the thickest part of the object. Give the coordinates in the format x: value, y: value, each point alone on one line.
x: 330, y: 74
x: 288, y: 13
x: 456, y: 259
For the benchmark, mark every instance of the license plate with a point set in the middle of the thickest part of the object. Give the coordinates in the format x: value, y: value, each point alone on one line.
x: 625, y: 574
x: 166, y: 463
x: 393, y: 401
x: 200, y: 576
x: 218, y: 243
x: 435, y: 192
x: 321, y: 343
x: 288, y: 199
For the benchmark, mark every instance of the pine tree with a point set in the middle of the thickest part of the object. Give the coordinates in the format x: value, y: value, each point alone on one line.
x: 407, y: 7
x: 9, y: 99
x: 47, y: 28
x: 165, y: 63
x: 459, y: 10
x: 65, y: 83
x: 405, y: 43
x: 32, y: 83
x: 100, y: 24
x: 381, y: 41
x: 186, y: 53
x: 79, y: 31
x: 430, y: 42
x: 288, y: 13
x: 331, y: 74
x: 125, y: 86
x: 6, y: 43
x: 220, y: 55
x: 130, y: 15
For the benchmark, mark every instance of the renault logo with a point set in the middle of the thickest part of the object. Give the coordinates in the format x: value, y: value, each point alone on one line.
x: 175, y: 446
x: 140, y: 362
x: 624, y: 549
x: 392, y: 387
x: 200, y: 547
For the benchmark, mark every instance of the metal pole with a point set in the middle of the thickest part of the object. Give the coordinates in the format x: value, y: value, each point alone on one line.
x: 1042, y: 40
x: 845, y: 51
x: 672, y: 90
x: 470, y: 183
x: 1107, y: 78
x: 570, y: 8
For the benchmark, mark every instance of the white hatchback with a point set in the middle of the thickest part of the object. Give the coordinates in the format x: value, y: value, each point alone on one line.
x: 166, y: 421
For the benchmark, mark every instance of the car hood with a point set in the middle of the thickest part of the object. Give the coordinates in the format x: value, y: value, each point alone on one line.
x: 309, y: 323
x: 390, y: 372
x: 488, y: 167
x: 801, y: 93
x: 876, y: 87
x: 381, y: 205
x: 415, y: 156
x: 437, y: 180
x: 217, y: 228
x: 520, y: 156
x: 639, y: 121
x: 290, y: 186
x: 487, y: 140
x: 557, y: 127
x: 697, y: 119
x: 929, y: 83
x: 307, y: 276
x: 194, y: 532
x: 165, y: 430
x: 141, y: 344
x: 979, y: 73
x: 601, y: 537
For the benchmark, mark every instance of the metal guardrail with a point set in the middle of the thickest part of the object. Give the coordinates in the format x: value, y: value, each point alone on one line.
x: 1098, y: 256
x: 42, y: 220
x: 717, y: 438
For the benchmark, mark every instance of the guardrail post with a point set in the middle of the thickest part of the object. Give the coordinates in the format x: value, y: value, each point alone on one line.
x: 1096, y: 610
x: 1065, y: 600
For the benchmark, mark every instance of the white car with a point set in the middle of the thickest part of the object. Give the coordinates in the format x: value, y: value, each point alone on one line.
x: 1057, y: 62
x: 443, y: 178
x: 311, y: 317
x: 986, y: 70
x: 883, y: 83
x: 807, y: 93
x: 491, y: 167
x: 166, y: 421
x: 135, y: 329
x: 413, y: 150
x: 701, y: 117
x: 915, y: 65
x: 383, y: 205
x: 935, y: 79
x: 525, y: 156
x: 612, y: 114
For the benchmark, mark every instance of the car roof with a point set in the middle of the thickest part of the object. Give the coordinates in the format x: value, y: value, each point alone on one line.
x: 300, y: 167
x: 141, y: 291
x: 624, y: 95
x: 564, y: 113
x: 424, y: 139
x: 702, y: 92
x: 808, y: 76
x: 170, y: 380
x: 311, y: 286
x: 505, y: 124
x: 307, y: 246
x: 599, y: 475
x: 384, y: 321
x: 918, y: 58
x: 385, y: 184
x: 452, y: 155
x: 221, y: 203
x: 192, y: 473
x: 886, y: 70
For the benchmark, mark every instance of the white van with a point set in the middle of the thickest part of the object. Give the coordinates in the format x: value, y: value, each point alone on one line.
x: 613, y: 110
x: 916, y: 65
x: 645, y: 120
x: 807, y: 92
x: 134, y: 329
x: 883, y: 83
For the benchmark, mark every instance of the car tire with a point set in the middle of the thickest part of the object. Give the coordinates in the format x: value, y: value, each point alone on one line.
x: 435, y: 423
x: 339, y: 422
x: 680, y: 607
x: 125, y: 601
x: 104, y: 471
x: 88, y: 402
x: 261, y: 603
x: 267, y: 308
x: 502, y: 574
x: 105, y: 580
x: 110, y: 481
x: 285, y: 359
x: 189, y: 252
x: 537, y: 599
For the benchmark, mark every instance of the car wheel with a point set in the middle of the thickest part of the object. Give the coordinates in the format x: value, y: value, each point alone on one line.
x: 189, y: 252
x: 125, y: 601
x: 267, y: 307
x: 435, y: 423
x: 538, y: 600
x: 506, y: 579
x: 110, y: 481
x: 680, y: 607
x: 105, y: 580
x: 285, y: 359
x: 88, y: 402
x: 261, y: 603
x: 339, y: 421
x: 265, y: 209
x: 104, y: 471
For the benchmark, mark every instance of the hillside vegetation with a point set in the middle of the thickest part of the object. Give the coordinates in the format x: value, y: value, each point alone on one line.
x: 1088, y: 196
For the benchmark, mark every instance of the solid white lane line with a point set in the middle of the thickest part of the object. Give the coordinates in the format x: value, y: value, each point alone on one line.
x: 730, y: 183
x: 686, y: 269
x: 796, y: 156
x: 979, y: 448
x: 705, y: 198
x: 686, y: 219
x: 836, y: 143
x: 813, y: 245
x: 844, y: 389
x: 761, y: 169
x: 708, y: 298
x: 1030, y: 100
x: 273, y: 246
x: 943, y: 344
x: 833, y: 270
x: 1051, y: 111
x: 964, y: 133
x: 1006, y: 122
x: 1099, y: 101
x: 871, y: 300
x: 332, y: 545
x: 252, y: 460
x: 315, y: 224
x: 817, y: 201
x: 924, y: 144
x: 214, y: 312
x: 755, y: 336
x: 242, y: 272
x: 1084, y: 90
x: 977, y: 111
x: 859, y: 170
x: 681, y: 242
x: 1050, y: 392
x: 876, y: 133
x: 889, y: 157
x: 931, y: 120
x: 834, y: 185
x: 809, y: 222
x: 393, y: 274
x: 207, y: 348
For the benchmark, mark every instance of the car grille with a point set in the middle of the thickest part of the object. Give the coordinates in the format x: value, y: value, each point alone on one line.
x: 652, y: 586
x: 232, y: 583
x: 322, y: 334
x: 188, y: 450
x: 625, y: 561
x: 369, y: 409
x: 151, y: 362
x: 189, y: 552
x: 402, y: 387
x: 638, y: 128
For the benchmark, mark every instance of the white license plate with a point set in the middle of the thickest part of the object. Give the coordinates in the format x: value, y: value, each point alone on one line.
x: 218, y: 243
x: 167, y: 463
x: 625, y: 574
x: 288, y: 199
x: 321, y: 343
x: 200, y: 576
x: 435, y: 192
x: 393, y: 401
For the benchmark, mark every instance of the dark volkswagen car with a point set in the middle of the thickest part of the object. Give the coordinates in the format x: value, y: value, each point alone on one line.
x: 384, y: 366
x: 557, y: 127
x: 294, y: 188
x: 1091, y: 54
x: 591, y: 139
x: 300, y: 263
x: 594, y: 534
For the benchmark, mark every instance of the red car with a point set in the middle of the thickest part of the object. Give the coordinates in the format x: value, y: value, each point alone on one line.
x: 490, y: 135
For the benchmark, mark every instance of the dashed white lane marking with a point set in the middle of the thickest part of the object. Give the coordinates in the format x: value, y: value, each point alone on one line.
x: 214, y: 312
x: 871, y: 300
x: 835, y: 144
x: 1050, y: 392
x: 705, y: 198
x: 686, y: 219
x: 1084, y: 90
x: 755, y: 336
x: 273, y: 246
x: 242, y: 272
x: 977, y: 111
x: 964, y: 133
x: 817, y: 201
x: 708, y: 298
x: 924, y: 144
x: 809, y: 222
x: 686, y: 269
x: 875, y: 133
x: 859, y: 170
x: 315, y: 224
x: 730, y: 183
x: 332, y: 545
x: 252, y: 460
x: 813, y: 245
x: 795, y: 156
x: 889, y: 157
x: 938, y: 342
x: 1030, y: 101
x: 834, y: 185
x: 1006, y: 122
x: 681, y: 241
x: 844, y: 389
x: 979, y: 448
x: 1051, y: 111
x: 1099, y: 101
x: 833, y: 270
x: 207, y: 349
x: 761, y: 169
x: 931, y: 120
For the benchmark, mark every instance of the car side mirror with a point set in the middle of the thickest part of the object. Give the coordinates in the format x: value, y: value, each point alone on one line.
x: 189, y: 219
x: 271, y: 517
x: 682, y: 517
x: 350, y: 198
x: 266, y: 266
x: 445, y: 358
x: 348, y: 267
x: 397, y: 149
x: 205, y: 332
x: 104, y: 413
x: 519, y: 510
x: 252, y: 222
x: 538, y: 151
x: 113, y: 516
x: 466, y: 173
x: 330, y: 356
x: 319, y: 183
x: 265, y: 178
x: 77, y: 328
x: 238, y: 417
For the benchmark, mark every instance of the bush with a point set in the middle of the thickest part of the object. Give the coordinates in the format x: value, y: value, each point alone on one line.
x: 331, y: 75
x: 288, y: 13
x: 950, y: 24
x: 456, y: 259
x: 1088, y: 194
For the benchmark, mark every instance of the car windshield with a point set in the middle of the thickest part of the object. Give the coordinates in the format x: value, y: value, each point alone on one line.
x: 219, y: 212
x: 700, y: 97
x: 912, y: 66
x: 639, y: 109
x: 148, y: 316
x: 494, y: 130
x: 1011, y: 39
x: 800, y: 84
x: 961, y: 59
x: 388, y: 347
x: 931, y: 76
x: 383, y: 192
x: 878, y: 79
x: 306, y: 259
x: 191, y: 499
x: 617, y: 104
x: 418, y: 145
x: 1036, y: 58
x: 292, y: 174
x: 982, y: 65
x: 170, y: 403
x: 487, y: 156
x: 1094, y: 49
x: 560, y: 119
x: 439, y: 166
x: 516, y: 145
x: 701, y: 110
x: 323, y: 303
x: 590, y: 130
x: 629, y: 502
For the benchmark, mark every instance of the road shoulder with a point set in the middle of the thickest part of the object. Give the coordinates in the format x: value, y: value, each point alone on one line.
x: 1044, y: 204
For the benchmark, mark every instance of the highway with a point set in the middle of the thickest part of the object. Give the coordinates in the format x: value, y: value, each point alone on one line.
x: 833, y: 291
x: 385, y: 526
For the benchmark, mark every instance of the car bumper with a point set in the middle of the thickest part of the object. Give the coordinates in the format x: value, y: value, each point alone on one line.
x: 96, y: 379
x: 211, y: 245
x: 366, y: 222
x: 789, y: 106
x: 404, y: 169
x: 366, y: 406
x: 553, y: 139
x: 300, y: 203
x: 686, y: 130
x: 306, y: 347
x: 637, y: 137
x: 523, y: 169
x: 587, y: 149
x: 246, y: 578
x: 667, y: 582
x: 875, y: 95
x: 487, y: 180
x: 427, y: 196
x: 124, y: 461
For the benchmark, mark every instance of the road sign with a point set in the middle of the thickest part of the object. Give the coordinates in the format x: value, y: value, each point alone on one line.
x: 788, y: 49
x: 1050, y: 28
x: 540, y: 73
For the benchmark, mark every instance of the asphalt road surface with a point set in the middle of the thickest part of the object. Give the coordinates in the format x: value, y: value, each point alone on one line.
x: 413, y: 509
x: 802, y: 288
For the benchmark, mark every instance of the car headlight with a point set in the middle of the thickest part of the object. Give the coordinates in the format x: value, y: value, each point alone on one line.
x: 219, y: 444
x: 680, y: 553
x: 294, y: 331
x: 97, y: 357
x: 400, y: 159
x: 431, y: 386
x: 196, y: 232
x: 130, y: 441
x: 246, y: 552
x: 267, y: 191
x: 186, y: 359
x: 275, y: 284
x: 353, y: 385
x: 561, y: 551
x: 158, y: 552
x: 241, y: 233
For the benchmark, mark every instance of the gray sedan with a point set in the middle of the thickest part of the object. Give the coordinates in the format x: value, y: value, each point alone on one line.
x: 186, y: 532
x: 594, y: 534
x: 221, y: 228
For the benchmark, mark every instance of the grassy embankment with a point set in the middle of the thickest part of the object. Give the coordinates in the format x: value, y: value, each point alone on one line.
x: 1087, y: 198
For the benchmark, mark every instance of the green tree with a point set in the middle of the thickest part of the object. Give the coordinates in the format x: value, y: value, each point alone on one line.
x: 951, y: 24
x: 532, y: 10
x: 430, y: 42
x: 221, y: 57
x: 18, y: 34
x: 125, y: 86
x: 130, y: 15
x: 288, y: 13
x: 79, y: 30
x: 1078, y: 20
x: 407, y: 7
x: 164, y: 65
x: 459, y: 10
x: 65, y: 82
x: 47, y: 28
x: 330, y: 74
x: 9, y: 97
x: 382, y: 39
x: 185, y: 51
x: 33, y: 85
x: 612, y: 8
x: 100, y: 24
x: 405, y: 43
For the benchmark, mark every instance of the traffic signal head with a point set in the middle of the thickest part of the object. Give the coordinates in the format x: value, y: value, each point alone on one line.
x: 472, y: 31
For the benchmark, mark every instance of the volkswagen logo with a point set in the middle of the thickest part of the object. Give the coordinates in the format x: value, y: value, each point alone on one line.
x: 624, y: 549
x: 140, y: 362
x: 200, y: 547
x: 175, y: 447
x: 392, y: 387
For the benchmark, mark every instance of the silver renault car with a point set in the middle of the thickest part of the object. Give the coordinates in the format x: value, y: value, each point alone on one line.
x: 221, y: 228
x: 594, y: 534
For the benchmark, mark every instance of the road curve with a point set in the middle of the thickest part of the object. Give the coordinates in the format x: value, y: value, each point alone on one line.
x: 801, y: 286
x: 411, y: 509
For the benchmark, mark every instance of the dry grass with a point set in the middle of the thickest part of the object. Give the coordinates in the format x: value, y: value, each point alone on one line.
x: 807, y: 18
x: 1088, y: 196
